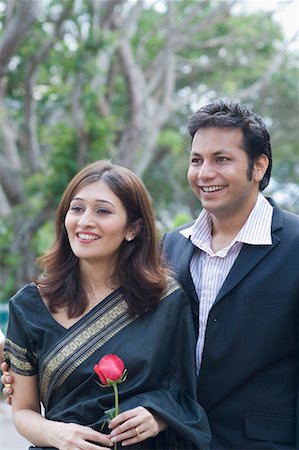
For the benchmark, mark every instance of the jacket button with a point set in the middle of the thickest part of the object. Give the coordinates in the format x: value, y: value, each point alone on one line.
x: 214, y: 320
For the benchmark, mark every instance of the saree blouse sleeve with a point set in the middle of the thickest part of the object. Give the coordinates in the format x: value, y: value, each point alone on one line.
x: 18, y: 351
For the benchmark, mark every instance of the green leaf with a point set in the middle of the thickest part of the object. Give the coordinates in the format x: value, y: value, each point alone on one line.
x: 110, y: 413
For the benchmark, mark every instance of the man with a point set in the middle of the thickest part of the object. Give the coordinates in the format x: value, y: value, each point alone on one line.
x: 238, y: 263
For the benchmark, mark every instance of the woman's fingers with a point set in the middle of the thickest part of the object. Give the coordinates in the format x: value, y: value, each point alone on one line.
x: 134, y: 425
x: 5, y: 377
x: 72, y: 436
x: 6, y: 380
x: 4, y: 367
x: 133, y: 436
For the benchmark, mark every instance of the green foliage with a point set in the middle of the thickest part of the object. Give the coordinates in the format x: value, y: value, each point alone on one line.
x: 61, y: 164
x: 44, y: 238
x: 9, y: 260
x: 212, y: 58
x: 171, y: 141
x: 181, y: 219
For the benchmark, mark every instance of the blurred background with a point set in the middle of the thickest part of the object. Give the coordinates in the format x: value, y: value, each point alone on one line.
x: 82, y: 80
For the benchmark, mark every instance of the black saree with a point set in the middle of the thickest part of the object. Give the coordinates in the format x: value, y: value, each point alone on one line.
x: 158, y: 350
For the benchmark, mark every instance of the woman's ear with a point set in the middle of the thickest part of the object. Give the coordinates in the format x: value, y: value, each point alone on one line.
x: 134, y: 230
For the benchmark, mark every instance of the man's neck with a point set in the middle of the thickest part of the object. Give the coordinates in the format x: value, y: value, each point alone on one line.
x: 225, y: 229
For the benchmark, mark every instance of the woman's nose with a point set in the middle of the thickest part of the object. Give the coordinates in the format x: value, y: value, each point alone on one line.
x: 86, y: 219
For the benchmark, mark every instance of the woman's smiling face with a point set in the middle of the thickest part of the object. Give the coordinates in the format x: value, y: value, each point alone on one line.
x: 96, y: 222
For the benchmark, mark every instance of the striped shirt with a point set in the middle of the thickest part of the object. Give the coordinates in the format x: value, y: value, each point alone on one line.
x: 209, y: 269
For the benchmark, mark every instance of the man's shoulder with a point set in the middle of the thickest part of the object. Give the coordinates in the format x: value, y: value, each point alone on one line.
x: 290, y: 227
x: 175, y: 239
x: 179, y: 229
x: 283, y: 218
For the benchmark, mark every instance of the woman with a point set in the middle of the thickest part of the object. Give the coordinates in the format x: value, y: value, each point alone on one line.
x: 104, y: 290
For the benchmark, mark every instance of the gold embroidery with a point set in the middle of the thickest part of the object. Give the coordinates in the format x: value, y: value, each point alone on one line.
x: 171, y: 288
x: 19, y: 357
x: 85, y: 340
x: 82, y: 343
x: 18, y: 366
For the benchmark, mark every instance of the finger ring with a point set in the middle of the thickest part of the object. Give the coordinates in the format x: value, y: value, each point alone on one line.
x: 137, y: 431
x: 7, y: 385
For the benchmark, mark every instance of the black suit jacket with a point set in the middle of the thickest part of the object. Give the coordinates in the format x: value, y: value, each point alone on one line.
x: 248, y: 380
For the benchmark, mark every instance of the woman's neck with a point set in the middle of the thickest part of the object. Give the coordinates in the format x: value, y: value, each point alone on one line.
x: 97, y: 281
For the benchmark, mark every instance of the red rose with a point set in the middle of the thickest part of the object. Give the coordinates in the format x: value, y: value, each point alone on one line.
x: 110, y: 369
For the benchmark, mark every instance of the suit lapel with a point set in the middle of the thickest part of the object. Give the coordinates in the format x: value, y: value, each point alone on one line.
x: 186, y: 279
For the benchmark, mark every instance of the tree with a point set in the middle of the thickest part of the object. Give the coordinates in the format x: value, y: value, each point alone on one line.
x: 89, y: 79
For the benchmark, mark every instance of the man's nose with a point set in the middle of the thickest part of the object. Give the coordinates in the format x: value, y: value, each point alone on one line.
x: 206, y: 170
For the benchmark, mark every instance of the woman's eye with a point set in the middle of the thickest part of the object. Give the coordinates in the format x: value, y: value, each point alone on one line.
x: 76, y: 209
x: 103, y: 211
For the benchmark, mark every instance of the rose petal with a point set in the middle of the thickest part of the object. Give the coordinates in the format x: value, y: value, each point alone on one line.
x: 109, y: 368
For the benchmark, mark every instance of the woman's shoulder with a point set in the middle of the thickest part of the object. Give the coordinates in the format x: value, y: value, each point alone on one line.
x: 172, y: 286
x: 174, y: 292
x: 25, y: 294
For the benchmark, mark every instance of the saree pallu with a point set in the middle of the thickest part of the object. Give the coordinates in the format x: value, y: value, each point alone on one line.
x: 158, y: 350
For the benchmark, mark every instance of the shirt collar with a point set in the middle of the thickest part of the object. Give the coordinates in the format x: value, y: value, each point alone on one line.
x: 255, y: 231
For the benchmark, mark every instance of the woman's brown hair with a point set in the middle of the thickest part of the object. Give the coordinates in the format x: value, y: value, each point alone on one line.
x: 139, y: 269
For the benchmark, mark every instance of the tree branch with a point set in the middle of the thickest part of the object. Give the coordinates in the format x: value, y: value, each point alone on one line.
x: 257, y: 87
x: 11, y: 182
x: 79, y: 119
x: 16, y: 28
x: 32, y: 143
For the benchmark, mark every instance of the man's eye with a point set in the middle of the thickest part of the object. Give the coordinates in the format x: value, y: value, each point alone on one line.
x: 222, y: 159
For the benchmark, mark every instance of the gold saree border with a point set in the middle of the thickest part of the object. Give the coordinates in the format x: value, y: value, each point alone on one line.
x: 83, y: 342
x: 80, y: 342
x: 18, y: 358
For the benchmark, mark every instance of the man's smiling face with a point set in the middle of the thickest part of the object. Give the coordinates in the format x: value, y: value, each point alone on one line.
x: 218, y: 172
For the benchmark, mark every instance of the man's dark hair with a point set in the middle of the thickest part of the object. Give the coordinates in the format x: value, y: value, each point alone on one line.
x: 256, y: 139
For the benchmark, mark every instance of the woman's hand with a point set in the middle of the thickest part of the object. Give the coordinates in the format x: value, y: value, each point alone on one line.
x: 135, y: 425
x: 70, y: 436
x: 7, y: 380
x: 1, y: 346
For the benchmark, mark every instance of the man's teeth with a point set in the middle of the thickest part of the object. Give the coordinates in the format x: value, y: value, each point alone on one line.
x: 212, y: 188
x: 88, y: 237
